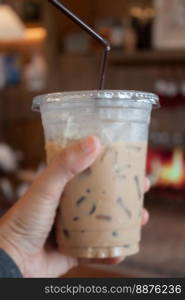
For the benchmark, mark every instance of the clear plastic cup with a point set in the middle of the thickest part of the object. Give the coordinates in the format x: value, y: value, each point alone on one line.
x: 101, y: 208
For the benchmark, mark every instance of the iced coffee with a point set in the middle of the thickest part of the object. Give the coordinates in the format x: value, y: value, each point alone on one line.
x: 100, y: 211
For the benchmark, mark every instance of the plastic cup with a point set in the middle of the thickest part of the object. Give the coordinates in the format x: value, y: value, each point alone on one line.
x: 101, y: 208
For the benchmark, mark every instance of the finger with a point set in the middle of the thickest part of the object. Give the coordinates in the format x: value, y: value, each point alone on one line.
x: 59, y: 264
x: 147, y: 184
x: 107, y: 261
x: 145, y: 217
x: 49, y: 186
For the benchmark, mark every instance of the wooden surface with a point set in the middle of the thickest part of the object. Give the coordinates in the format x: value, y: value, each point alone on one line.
x: 89, y: 272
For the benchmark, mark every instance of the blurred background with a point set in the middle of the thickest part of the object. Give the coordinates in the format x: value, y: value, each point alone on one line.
x: 41, y: 51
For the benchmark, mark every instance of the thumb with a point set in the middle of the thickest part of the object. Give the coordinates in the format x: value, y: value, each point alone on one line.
x: 35, y: 211
x: 71, y: 161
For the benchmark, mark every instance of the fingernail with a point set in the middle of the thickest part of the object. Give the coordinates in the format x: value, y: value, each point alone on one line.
x: 147, y: 183
x: 145, y: 217
x: 88, y: 145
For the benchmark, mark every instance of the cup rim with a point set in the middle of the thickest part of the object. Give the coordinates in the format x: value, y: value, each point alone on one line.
x: 129, y: 96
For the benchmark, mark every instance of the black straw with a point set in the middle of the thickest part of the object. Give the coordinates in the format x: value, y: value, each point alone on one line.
x: 90, y: 31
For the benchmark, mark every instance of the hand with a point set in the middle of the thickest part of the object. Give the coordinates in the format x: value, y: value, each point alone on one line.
x: 25, y: 228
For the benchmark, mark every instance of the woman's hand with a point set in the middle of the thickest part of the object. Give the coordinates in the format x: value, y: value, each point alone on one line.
x: 25, y: 228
